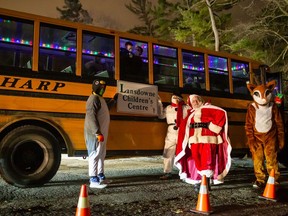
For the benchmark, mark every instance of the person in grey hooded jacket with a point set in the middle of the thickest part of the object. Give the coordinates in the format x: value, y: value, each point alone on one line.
x: 96, y: 126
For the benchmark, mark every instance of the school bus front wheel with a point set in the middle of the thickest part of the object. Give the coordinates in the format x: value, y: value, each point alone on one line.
x: 29, y: 156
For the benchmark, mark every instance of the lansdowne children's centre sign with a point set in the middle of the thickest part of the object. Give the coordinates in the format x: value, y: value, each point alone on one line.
x: 137, y: 98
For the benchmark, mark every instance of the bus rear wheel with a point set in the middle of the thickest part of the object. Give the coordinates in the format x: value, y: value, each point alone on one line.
x: 29, y: 156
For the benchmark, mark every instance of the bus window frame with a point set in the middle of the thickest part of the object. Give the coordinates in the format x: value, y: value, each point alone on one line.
x: 226, y: 73
x: 144, y: 76
x: 166, y: 57
x: 191, y: 52
x: 99, y: 55
x: 13, y: 41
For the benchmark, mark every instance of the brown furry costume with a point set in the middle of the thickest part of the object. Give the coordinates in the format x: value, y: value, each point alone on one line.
x: 264, y: 130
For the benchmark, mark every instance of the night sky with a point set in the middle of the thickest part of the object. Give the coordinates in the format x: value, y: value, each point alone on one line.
x: 106, y: 13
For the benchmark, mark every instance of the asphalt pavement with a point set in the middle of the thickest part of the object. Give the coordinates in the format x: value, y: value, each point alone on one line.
x: 136, y: 189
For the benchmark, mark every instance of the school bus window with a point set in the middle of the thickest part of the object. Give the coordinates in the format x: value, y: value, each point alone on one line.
x: 165, y: 65
x: 193, y: 70
x: 57, y: 49
x: 240, y: 76
x: 16, y: 38
x: 98, y: 55
x: 218, y: 72
x: 133, y: 60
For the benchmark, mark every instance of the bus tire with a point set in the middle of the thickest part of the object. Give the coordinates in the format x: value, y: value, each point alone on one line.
x: 29, y: 156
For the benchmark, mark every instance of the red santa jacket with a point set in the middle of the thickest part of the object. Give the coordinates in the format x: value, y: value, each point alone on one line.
x: 216, y: 120
x: 217, y: 133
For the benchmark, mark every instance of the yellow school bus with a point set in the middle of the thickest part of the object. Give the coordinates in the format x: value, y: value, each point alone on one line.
x: 47, y: 67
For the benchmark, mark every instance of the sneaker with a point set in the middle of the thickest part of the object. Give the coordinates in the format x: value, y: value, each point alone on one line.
x: 258, y: 185
x: 101, y: 177
x: 166, y: 176
x: 197, y: 187
x: 95, y: 183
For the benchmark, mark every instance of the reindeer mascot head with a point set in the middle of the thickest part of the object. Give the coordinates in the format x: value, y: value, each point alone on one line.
x: 264, y: 130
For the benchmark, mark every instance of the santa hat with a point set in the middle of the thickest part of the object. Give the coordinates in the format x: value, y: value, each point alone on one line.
x: 190, y: 98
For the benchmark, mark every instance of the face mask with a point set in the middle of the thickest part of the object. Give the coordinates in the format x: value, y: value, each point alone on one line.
x: 101, y: 91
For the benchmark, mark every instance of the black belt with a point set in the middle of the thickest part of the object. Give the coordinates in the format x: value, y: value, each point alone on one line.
x: 175, y: 127
x: 199, y: 125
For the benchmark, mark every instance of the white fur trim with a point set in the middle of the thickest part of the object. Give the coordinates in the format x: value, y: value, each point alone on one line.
x: 191, y: 181
x: 215, y: 128
x: 183, y: 176
x: 208, y: 173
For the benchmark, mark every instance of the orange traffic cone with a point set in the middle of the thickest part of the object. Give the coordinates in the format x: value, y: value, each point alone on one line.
x: 83, y: 208
x: 203, y: 203
x: 269, y: 192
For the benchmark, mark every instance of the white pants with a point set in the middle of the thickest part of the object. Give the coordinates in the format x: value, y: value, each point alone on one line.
x: 169, y: 151
x: 96, y: 161
x: 96, y: 154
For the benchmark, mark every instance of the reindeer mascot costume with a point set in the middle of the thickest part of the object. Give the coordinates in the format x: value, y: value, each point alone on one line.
x: 265, y: 132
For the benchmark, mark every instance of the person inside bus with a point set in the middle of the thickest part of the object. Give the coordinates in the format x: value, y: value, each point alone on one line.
x: 174, y: 114
x: 131, y: 65
x: 96, y: 126
x: 138, y: 51
x: 126, y: 60
x: 127, y: 51
x: 203, y: 146
x: 95, y: 67
x: 191, y: 83
x: 140, y: 72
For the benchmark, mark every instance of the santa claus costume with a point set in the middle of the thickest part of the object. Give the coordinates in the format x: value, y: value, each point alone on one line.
x: 203, y: 146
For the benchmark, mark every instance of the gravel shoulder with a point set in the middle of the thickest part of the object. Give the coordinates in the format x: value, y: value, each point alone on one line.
x: 136, y: 190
